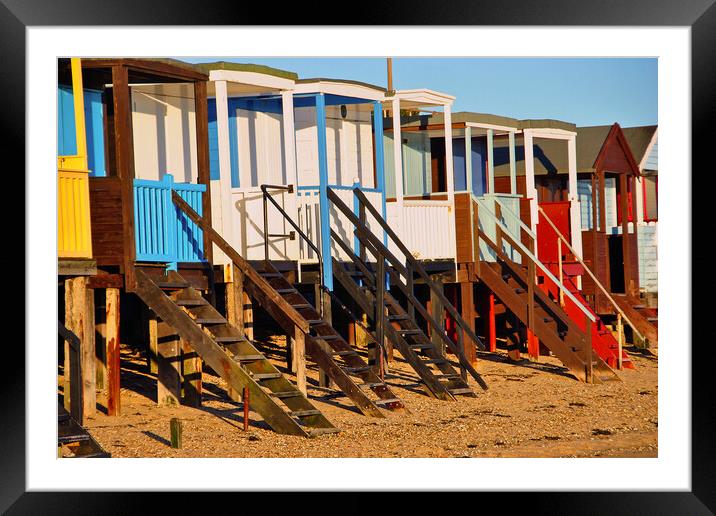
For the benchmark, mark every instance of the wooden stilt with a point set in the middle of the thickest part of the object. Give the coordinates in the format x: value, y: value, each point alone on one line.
x: 468, y: 314
x: 323, y: 379
x: 112, y: 351
x: 191, y: 375
x: 152, y: 350
x: 248, y: 315
x: 168, y: 357
x: 299, y: 359
x: 234, y: 296
x: 100, y: 316
x: 79, y: 318
x: 290, y: 359
x: 491, y: 323
x: 438, y: 313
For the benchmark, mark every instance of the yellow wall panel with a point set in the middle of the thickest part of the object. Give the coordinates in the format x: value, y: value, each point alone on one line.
x: 74, y: 239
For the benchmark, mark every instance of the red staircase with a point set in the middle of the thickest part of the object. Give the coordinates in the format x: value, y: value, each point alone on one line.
x: 603, y: 341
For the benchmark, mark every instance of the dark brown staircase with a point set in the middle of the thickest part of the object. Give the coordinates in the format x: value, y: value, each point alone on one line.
x: 231, y: 355
x: 326, y: 347
x: 74, y: 440
x: 441, y: 379
x: 390, y: 318
x: 645, y: 319
x: 511, y: 283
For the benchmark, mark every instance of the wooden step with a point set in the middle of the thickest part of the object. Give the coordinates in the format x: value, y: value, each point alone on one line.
x: 447, y: 376
x: 427, y: 345
x: 304, y: 413
x: 370, y: 385
x: 400, y: 317
x: 210, y: 320
x: 316, y: 322
x: 285, y: 394
x: 409, y: 331
x: 331, y: 336
x: 271, y: 274
x: 248, y: 358
x: 191, y: 302
x: 265, y: 376
x: 73, y: 434
x: 228, y: 338
x: 290, y: 290
x: 361, y: 369
x: 387, y: 401
x: 434, y: 361
x: 303, y: 306
x: 344, y: 352
x: 461, y: 390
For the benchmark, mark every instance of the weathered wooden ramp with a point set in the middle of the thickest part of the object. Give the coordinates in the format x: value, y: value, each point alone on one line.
x: 232, y: 356
x: 324, y: 345
x: 644, y: 318
x: 75, y: 437
x: 441, y: 379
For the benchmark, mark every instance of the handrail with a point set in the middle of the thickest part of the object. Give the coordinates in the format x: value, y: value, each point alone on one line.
x: 241, y: 262
x: 526, y: 252
x: 289, y: 189
x: 523, y: 226
x: 413, y: 265
x: 591, y: 274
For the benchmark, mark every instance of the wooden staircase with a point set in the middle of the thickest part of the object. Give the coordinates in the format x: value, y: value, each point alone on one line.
x: 644, y: 318
x: 73, y: 440
x: 231, y: 355
x: 340, y: 362
x: 436, y: 372
x: 516, y: 287
x: 290, y: 310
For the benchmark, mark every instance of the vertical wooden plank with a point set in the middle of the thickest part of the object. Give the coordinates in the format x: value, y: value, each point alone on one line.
x: 247, y: 322
x: 626, y: 248
x: 299, y: 358
x: 202, y: 158
x: 633, y: 287
x: 152, y: 349
x: 112, y: 351
x: 531, y: 309
x: 323, y: 379
x: 468, y: 314
x: 124, y: 153
x: 168, y: 362
x: 375, y: 353
x: 491, y: 322
x: 588, y: 350
x: 100, y: 319
x: 438, y: 313
x: 79, y: 319
x: 191, y: 375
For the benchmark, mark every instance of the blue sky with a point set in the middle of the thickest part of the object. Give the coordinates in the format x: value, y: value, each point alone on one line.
x: 585, y: 91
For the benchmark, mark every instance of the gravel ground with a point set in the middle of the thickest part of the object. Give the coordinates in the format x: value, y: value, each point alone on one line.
x: 530, y: 410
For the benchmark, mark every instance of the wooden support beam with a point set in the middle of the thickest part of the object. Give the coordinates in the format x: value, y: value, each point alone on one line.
x: 626, y: 248
x: 152, y: 349
x: 202, y: 157
x: 491, y: 323
x: 168, y: 362
x: 299, y: 358
x: 100, y: 316
x: 112, y: 351
x: 124, y: 153
x: 79, y: 319
x: 323, y: 379
x: 71, y: 391
x: 191, y: 375
x: 467, y: 299
x: 633, y: 286
x: 437, y: 311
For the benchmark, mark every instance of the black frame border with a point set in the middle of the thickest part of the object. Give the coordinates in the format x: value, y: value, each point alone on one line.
x: 700, y: 15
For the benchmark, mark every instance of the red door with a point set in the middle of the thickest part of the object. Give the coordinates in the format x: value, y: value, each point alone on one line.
x: 558, y: 213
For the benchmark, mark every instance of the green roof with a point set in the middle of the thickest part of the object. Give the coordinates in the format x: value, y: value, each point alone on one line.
x: 245, y: 67
x: 639, y: 139
x: 342, y: 81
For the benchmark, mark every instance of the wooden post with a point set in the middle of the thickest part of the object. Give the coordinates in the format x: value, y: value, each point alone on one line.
x: 168, y: 357
x: 620, y: 340
x: 491, y: 322
x: 626, y: 248
x: 202, y: 158
x: 588, y: 351
x: 112, y: 339
x: 375, y: 353
x: 632, y: 288
x: 299, y: 358
x: 100, y: 316
x: 175, y: 428
x: 561, y: 275
x: 323, y: 379
x: 191, y: 375
x: 234, y: 281
x: 79, y: 318
x: 248, y: 316
x: 152, y: 351
x: 468, y: 315
x: 438, y: 313
x: 531, y: 309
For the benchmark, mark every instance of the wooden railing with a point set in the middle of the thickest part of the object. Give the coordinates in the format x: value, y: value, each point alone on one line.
x: 598, y: 283
x: 404, y: 276
x: 267, y: 296
x: 162, y: 232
